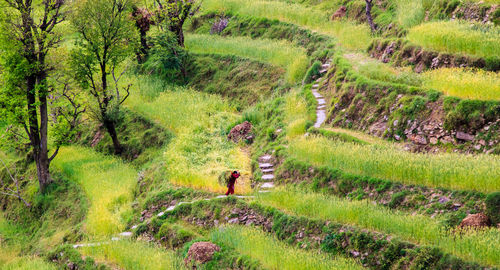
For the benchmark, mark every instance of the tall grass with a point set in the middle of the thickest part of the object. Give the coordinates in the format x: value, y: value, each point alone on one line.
x: 200, y: 151
x: 107, y: 182
x: 376, y: 70
x: 296, y: 114
x: 480, y: 246
x: 458, y: 37
x: 465, y: 83
x: 349, y: 34
x: 273, y: 254
x: 280, y: 53
x: 134, y: 255
x: 454, y: 171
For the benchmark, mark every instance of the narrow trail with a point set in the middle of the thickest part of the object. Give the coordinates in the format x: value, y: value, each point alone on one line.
x: 266, y: 165
x: 321, y: 109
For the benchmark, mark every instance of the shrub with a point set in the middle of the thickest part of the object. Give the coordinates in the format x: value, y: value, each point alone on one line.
x: 493, y: 207
x: 313, y: 71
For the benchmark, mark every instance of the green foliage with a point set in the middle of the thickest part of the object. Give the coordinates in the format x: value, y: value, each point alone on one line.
x: 397, y: 199
x: 272, y: 253
x: 493, y: 207
x: 313, y: 71
x: 166, y: 58
x: 66, y: 255
x: 241, y: 80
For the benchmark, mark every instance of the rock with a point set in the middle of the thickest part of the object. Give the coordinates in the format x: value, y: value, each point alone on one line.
x: 477, y: 147
x: 443, y: 200
x: 418, y: 139
x: 475, y: 221
x: 482, y: 142
x: 464, y: 136
x: 340, y: 13
x: 447, y: 139
x: 240, y: 131
x: 397, y: 137
x: 233, y: 221
x: 395, y: 123
x: 433, y: 140
x: 201, y: 252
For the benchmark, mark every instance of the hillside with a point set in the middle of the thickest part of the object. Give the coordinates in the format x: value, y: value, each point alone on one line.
x: 365, y: 134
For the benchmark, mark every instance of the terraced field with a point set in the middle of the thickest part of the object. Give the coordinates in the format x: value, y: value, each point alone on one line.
x: 363, y: 148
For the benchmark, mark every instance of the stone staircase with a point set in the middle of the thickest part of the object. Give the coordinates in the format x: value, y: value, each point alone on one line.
x: 267, y: 169
x: 321, y: 109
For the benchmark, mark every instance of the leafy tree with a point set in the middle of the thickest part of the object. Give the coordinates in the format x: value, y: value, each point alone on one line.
x: 27, y: 36
x: 174, y: 13
x: 167, y: 58
x: 143, y: 21
x: 105, y: 40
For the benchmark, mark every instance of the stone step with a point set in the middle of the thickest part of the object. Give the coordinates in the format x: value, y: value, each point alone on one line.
x: 319, y: 79
x: 317, y: 95
x: 320, y: 118
x: 315, y: 86
x: 126, y: 234
x: 325, y: 65
x: 321, y: 101
x: 265, y: 158
x: 268, y: 177
x: 267, y: 170
x: 323, y: 71
x: 265, y: 165
x: 320, y: 107
x: 267, y: 185
x: 264, y: 191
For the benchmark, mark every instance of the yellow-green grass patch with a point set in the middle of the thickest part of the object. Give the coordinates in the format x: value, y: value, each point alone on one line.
x: 199, y: 153
x: 478, y: 246
x: 447, y: 170
x: 458, y: 37
x: 464, y: 83
x: 273, y: 254
x: 134, y: 255
x: 107, y: 182
x: 280, y: 53
x: 349, y: 34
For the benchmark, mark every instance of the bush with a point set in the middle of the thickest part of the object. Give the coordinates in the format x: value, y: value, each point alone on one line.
x: 313, y: 71
x: 493, y: 207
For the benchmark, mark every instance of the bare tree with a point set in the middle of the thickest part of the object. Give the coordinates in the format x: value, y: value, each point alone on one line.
x: 369, y: 5
x: 6, y: 189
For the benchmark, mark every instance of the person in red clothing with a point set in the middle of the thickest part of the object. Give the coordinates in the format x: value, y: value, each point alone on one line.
x: 232, y: 181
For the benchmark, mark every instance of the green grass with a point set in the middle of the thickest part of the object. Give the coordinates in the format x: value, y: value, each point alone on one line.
x: 480, y: 246
x: 107, y: 182
x: 349, y: 34
x: 464, y: 83
x: 376, y: 70
x: 134, y: 255
x: 273, y: 254
x: 454, y: 171
x: 458, y: 37
x: 200, y: 151
x: 280, y: 53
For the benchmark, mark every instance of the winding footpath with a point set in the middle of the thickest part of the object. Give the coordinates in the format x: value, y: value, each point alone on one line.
x: 266, y: 165
x: 321, y: 109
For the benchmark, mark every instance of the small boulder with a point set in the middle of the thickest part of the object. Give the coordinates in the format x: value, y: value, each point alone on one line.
x: 340, y: 13
x: 201, y: 252
x: 464, y: 136
x: 475, y: 221
x: 241, y: 131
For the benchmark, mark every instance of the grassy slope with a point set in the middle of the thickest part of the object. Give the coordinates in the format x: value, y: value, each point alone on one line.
x: 107, y: 182
x: 481, y: 246
x: 453, y: 171
x: 280, y: 53
x: 273, y: 254
x: 200, y: 151
x: 350, y: 35
x: 134, y: 255
x: 457, y: 37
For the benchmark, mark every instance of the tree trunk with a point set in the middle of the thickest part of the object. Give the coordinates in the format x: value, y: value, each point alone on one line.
x: 110, y: 127
x: 142, y: 54
x: 369, y: 15
x: 42, y: 160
